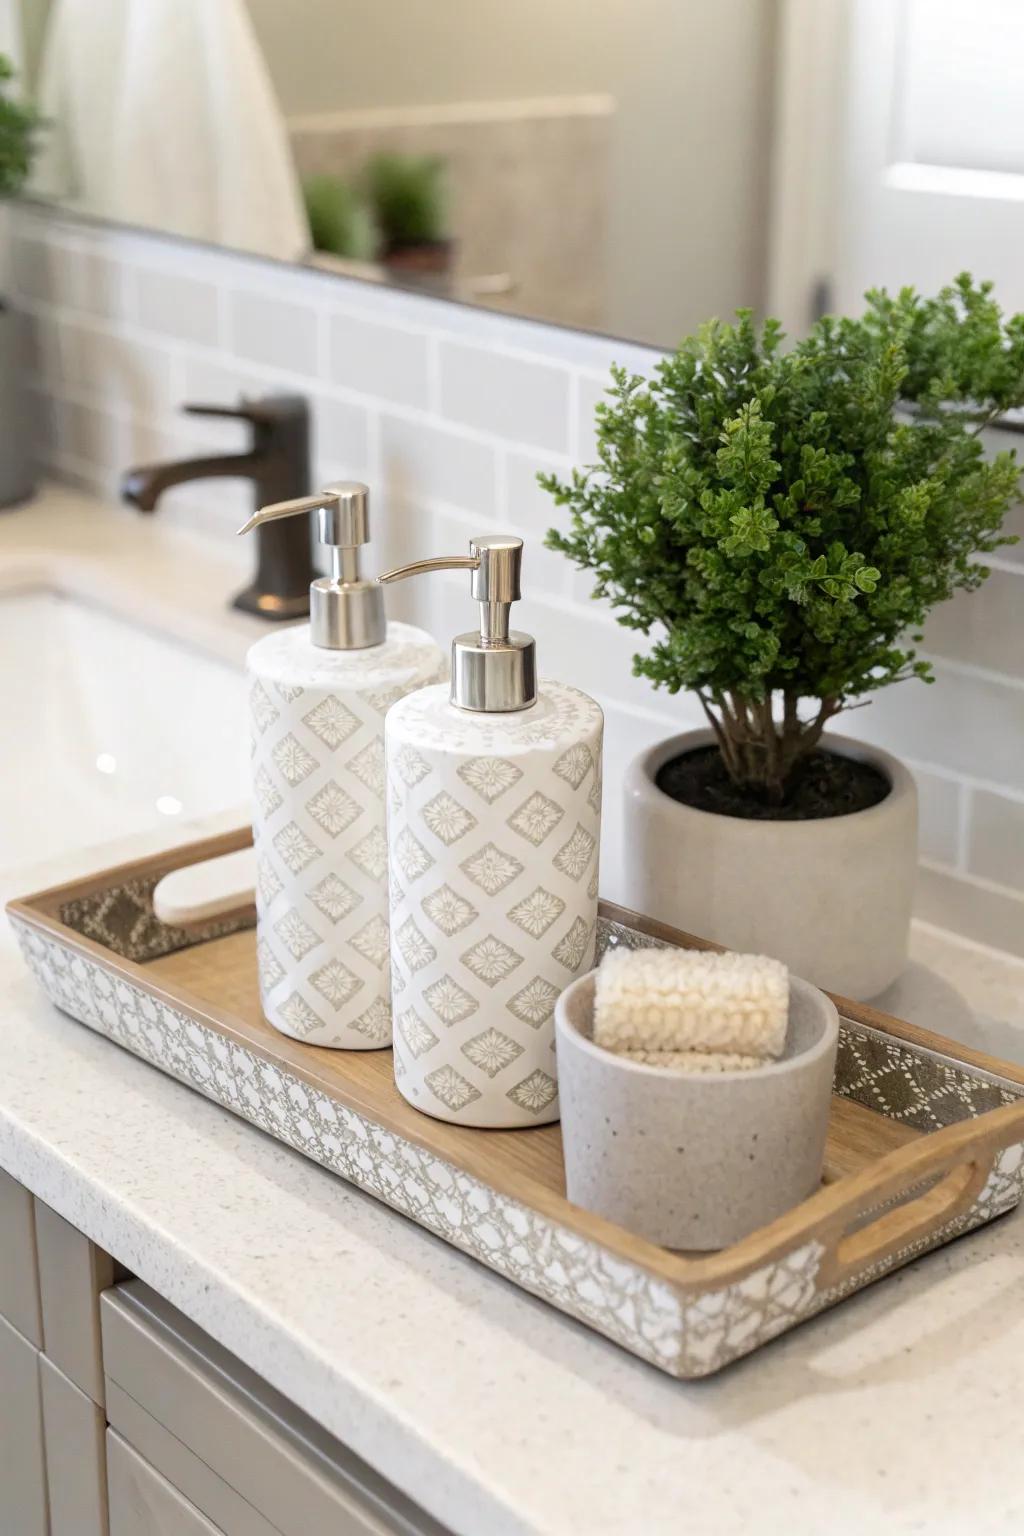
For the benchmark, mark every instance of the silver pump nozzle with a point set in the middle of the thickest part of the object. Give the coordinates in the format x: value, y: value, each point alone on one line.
x: 346, y: 611
x: 494, y: 669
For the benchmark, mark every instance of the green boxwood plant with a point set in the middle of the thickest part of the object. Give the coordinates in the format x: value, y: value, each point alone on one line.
x: 780, y: 522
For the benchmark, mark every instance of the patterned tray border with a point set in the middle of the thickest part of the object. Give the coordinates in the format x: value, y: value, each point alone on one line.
x: 686, y: 1335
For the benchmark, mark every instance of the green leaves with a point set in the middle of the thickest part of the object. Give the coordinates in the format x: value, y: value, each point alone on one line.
x: 19, y: 125
x: 783, y: 520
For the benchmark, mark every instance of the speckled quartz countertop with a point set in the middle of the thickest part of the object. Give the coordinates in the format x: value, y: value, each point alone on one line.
x: 900, y: 1410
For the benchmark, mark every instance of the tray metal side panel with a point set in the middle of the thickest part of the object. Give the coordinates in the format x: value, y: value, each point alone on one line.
x: 685, y: 1335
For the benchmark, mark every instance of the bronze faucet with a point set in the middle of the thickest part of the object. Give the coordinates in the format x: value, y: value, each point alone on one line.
x: 278, y: 465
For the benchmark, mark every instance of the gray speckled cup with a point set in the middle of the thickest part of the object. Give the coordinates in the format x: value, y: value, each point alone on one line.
x: 694, y: 1162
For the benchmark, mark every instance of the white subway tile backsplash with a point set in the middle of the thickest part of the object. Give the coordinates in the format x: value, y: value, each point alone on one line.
x: 939, y: 806
x: 380, y: 360
x: 134, y: 375
x: 423, y: 462
x: 448, y: 413
x: 996, y: 842
x: 70, y: 277
x: 341, y: 438
x: 983, y: 628
x: 523, y: 401
x: 1014, y: 523
x: 592, y: 393
x: 529, y: 511
x: 276, y: 332
x: 182, y: 307
x: 984, y: 913
x: 968, y: 725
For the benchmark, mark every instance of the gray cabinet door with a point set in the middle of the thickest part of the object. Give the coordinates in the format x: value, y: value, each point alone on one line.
x: 22, y: 1460
x: 72, y: 1273
x: 76, y: 1466
x: 278, y: 1465
x: 142, y: 1503
x: 19, y: 1275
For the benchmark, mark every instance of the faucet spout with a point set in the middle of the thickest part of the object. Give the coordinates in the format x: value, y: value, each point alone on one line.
x: 143, y: 486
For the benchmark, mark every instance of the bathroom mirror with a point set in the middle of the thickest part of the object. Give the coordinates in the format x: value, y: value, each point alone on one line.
x: 631, y: 169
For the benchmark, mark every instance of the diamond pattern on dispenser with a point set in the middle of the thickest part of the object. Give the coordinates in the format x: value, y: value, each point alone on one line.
x: 292, y: 761
x: 336, y: 983
x: 447, y: 819
x: 294, y: 847
x: 489, y: 776
x: 490, y: 869
x: 371, y: 854
x: 574, y: 765
x: 535, y: 1003
x: 574, y: 856
x: 417, y: 1036
x: 295, y: 934
x: 331, y: 721
x: 535, y: 818
x: 449, y: 1001
x: 300, y: 1017
x: 491, y: 1051
x: 572, y: 947
x: 412, y: 858
x: 372, y: 941
x: 334, y: 898
x: 333, y: 809
x: 536, y: 912
x: 451, y: 1088
x: 417, y: 951
x: 368, y: 767
x: 448, y: 910
x: 491, y: 960
x: 534, y: 1093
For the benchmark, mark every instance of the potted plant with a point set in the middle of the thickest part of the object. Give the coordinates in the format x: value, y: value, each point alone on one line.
x: 407, y: 194
x: 780, y: 522
x: 341, y: 222
x: 19, y: 124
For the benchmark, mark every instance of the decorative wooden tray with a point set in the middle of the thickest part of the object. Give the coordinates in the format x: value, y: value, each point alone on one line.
x: 926, y: 1139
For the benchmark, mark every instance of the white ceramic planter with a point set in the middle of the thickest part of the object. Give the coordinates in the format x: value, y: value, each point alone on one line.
x: 832, y: 897
x: 698, y: 1161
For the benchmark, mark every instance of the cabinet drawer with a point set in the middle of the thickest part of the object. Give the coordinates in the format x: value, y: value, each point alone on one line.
x: 279, y: 1463
x: 72, y: 1273
x: 76, y: 1472
x: 22, y: 1461
x: 142, y: 1503
x: 19, y: 1272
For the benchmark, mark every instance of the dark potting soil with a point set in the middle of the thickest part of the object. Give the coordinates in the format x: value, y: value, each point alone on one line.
x: 824, y: 785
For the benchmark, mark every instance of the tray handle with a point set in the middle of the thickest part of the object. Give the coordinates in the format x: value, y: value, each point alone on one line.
x: 955, y: 1175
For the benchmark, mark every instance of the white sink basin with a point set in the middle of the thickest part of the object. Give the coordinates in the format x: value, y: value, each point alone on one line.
x: 107, y: 729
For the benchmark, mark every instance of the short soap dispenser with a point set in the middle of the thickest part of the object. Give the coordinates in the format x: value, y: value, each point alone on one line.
x: 494, y: 810
x: 317, y: 702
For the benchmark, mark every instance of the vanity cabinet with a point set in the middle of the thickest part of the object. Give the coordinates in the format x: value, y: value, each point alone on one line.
x: 120, y: 1417
x: 244, y: 1458
x: 53, y: 1479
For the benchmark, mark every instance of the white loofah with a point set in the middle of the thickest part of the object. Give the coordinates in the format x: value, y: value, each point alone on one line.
x: 685, y: 1000
x: 694, y: 1061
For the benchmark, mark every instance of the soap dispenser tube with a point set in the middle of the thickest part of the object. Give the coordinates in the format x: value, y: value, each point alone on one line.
x: 318, y: 695
x: 494, y: 808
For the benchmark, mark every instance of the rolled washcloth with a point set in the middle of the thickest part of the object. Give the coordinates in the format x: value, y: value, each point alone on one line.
x: 666, y: 1007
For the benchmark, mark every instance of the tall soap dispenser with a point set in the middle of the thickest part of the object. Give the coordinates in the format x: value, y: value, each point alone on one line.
x: 494, y: 810
x: 317, y: 701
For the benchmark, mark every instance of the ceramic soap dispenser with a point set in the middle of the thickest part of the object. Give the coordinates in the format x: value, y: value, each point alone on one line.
x: 317, y: 701
x: 494, y: 806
